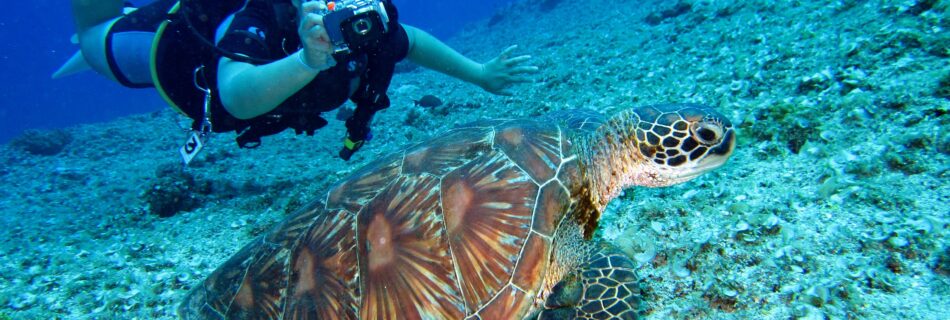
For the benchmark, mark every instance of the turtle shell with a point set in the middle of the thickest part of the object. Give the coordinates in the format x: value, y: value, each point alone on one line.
x: 461, y: 226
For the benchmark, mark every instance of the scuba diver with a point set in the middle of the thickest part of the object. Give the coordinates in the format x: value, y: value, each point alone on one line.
x: 259, y: 67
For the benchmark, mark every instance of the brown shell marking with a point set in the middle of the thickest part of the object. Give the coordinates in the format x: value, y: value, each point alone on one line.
x: 552, y: 203
x: 448, y: 151
x: 489, y: 207
x: 529, y: 275
x: 535, y: 149
x: 255, y: 273
x: 405, y: 267
x: 366, y: 183
x: 258, y: 296
x: 509, y: 302
x: 323, y: 284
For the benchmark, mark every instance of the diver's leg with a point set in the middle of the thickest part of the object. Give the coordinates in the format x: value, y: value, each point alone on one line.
x: 94, y: 18
x: 89, y: 13
x: 605, y: 287
x: 120, y: 47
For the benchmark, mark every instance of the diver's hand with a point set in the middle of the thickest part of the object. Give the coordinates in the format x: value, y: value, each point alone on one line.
x: 500, y: 73
x: 317, y: 52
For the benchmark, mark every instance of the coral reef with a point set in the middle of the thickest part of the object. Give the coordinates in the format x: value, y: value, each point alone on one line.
x: 172, y: 191
x: 42, y: 142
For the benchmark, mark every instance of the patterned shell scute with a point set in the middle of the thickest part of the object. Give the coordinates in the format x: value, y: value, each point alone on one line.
x: 323, y: 282
x: 212, y: 299
x: 353, y: 193
x: 534, y: 148
x: 530, y: 273
x: 258, y: 295
x: 484, y: 123
x: 488, y: 206
x: 256, y: 273
x: 574, y: 119
x: 451, y: 150
x: 509, y: 302
x: 287, y: 232
x: 553, y: 201
x: 406, y: 268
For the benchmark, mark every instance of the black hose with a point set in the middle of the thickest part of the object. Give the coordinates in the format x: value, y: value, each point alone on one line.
x: 186, y: 13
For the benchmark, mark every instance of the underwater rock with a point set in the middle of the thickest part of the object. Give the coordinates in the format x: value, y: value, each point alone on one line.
x: 679, y: 9
x: 816, y: 82
x: 428, y: 101
x: 43, y: 143
x: 942, y: 265
x: 943, y: 87
x: 943, y: 146
x: 173, y: 191
x: 921, y: 7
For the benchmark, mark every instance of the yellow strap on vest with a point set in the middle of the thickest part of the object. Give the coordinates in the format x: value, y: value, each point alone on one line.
x: 152, y: 60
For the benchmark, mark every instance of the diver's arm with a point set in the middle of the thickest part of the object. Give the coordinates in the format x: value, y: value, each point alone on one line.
x: 89, y: 13
x: 495, y: 76
x: 248, y: 91
x: 429, y: 52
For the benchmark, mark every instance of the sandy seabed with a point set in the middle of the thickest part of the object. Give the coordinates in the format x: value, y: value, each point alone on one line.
x: 834, y: 205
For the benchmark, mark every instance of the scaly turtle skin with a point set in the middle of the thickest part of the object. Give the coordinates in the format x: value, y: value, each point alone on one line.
x: 488, y: 221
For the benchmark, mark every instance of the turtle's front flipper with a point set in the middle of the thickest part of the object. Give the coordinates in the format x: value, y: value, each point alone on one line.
x: 605, y: 287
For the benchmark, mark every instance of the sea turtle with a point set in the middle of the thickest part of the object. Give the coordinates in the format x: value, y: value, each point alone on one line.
x: 489, y: 221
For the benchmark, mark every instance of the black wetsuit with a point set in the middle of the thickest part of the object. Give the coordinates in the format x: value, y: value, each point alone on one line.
x: 265, y: 30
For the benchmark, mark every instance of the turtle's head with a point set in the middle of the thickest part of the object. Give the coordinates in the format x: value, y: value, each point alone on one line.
x: 678, y: 142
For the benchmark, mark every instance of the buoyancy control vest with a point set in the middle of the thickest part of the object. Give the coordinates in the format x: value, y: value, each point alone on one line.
x: 185, y: 60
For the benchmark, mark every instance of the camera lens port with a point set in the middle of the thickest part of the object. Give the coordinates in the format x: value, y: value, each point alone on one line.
x: 362, y: 26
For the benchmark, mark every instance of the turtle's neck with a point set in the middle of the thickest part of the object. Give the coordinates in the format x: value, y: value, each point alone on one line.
x: 609, y: 159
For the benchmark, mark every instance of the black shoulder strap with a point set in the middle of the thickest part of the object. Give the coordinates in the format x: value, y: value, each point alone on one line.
x: 371, y: 96
x: 204, y: 17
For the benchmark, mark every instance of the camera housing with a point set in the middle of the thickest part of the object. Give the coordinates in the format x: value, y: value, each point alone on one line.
x: 356, y: 25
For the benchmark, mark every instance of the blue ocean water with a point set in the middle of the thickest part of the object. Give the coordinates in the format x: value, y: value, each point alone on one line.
x: 34, y: 37
x: 832, y: 206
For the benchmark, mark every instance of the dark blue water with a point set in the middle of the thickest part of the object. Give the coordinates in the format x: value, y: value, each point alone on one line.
x: 34, y: 37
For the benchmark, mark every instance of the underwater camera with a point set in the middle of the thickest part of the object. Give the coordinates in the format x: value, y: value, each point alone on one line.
x: 355, y: 24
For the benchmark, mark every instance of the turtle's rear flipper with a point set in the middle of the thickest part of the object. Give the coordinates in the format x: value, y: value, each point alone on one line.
x: 605, y: 287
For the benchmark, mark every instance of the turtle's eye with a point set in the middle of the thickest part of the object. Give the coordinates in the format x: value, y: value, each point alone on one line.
x: 706, y: 133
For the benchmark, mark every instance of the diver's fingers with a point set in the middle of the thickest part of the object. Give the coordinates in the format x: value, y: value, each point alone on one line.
x: 313, y: 6
x: 524, y: 70
x: 504, y: 53
x: 516, y: 60
x: 320, y: 44
x: 319, y: 33
x: 314, y: 36
x: 313, y: 14
x: 310, y: 20
x: 312, y: 29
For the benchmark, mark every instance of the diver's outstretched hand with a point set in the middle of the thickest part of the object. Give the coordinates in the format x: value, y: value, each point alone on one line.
x: 500, y: 73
